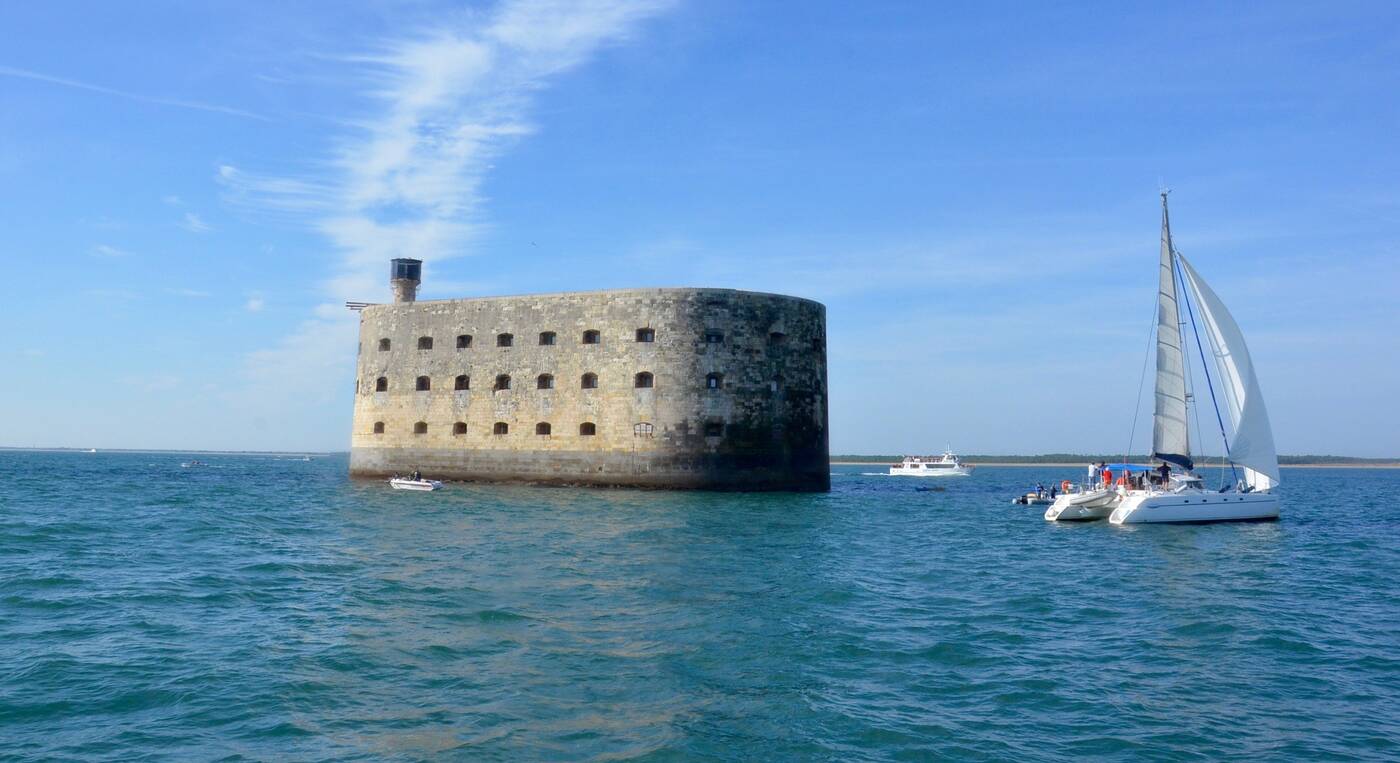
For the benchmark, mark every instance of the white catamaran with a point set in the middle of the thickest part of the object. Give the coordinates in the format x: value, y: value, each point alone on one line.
x: 1183, y: 497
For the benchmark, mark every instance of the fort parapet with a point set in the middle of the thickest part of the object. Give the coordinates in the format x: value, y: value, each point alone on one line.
x: 674, y: 388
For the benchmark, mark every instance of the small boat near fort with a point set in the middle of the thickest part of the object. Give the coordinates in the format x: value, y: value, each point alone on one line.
x: 946, y: 465
x: 404, y: 483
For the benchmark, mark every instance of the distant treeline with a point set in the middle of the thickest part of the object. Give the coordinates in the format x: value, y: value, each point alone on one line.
x: 1084, y: 458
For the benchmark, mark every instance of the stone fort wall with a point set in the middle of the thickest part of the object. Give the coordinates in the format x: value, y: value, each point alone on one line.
x: 732, y: 392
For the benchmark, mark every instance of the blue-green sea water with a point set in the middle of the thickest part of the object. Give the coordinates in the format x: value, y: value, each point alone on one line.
x: 262, y: 608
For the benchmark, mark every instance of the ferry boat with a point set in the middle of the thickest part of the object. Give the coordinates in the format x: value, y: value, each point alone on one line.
x: 946, y: 465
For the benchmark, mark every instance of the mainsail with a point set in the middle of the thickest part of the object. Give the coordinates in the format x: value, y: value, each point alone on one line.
x: 1253, y: 443
x: 1169, y: 435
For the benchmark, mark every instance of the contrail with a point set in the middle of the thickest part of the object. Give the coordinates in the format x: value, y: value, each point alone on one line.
x: 9, y: 71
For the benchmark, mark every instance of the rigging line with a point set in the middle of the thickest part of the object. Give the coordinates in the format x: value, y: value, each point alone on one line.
x: 1142, y: 379
x: 1209, y: 384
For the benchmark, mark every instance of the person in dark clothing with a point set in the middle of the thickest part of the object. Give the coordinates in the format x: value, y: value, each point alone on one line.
x: 417, y: 476
x: 1164, y: 473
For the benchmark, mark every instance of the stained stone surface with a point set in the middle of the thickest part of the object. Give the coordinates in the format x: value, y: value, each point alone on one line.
x: 760, y: 425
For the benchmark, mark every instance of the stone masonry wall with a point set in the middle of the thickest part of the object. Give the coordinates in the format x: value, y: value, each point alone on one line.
x: 763, y: 427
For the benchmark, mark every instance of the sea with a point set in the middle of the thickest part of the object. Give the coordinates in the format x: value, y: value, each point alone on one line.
x: 270, y: 608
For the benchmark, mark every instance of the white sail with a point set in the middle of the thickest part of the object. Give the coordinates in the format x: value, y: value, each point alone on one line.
x: 1170, y: 441
x: 1252, y: 445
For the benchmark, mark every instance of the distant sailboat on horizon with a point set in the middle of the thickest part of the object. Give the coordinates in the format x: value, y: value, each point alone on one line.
x: 1183, y: 497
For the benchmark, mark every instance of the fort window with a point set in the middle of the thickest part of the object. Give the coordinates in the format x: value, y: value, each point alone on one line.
x: 642, y: 429
x: 591, y: 336
x: 503, y: 381
x: 420, y: 428
x: 546, y: 338
x: 544, y: 381
x: 714, y: 337
x: 464, y: 341
x: 379, y: 427
x: 542, y: 428
x: 644, y: 380
x: 500, y: 427
x: 590, y: 381
x: 504, y: 340
x: 714, y: 428
x: 714, y: 381
x: 460, y: 428
x: 424, y: 384
x: 587, y: 429
x: 777, y: 337
x: 646, y: 335
x: 381, y: 384
x: 383, y: 345
x: 462, y: 382
x: 425, y: 343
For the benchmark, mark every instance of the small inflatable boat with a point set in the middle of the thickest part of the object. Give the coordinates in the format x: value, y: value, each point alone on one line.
x: 403, y: 483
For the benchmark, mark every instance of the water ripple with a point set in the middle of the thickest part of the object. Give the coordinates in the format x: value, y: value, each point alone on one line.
x: 271, y: 609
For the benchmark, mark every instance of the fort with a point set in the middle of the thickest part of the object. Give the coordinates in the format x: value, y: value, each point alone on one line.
x: 669, y: 388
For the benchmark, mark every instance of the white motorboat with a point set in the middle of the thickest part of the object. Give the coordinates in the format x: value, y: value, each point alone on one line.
x: 1032, y: 498
x: 946, y: 465
x: 403, y: 483
x: 1097, y: 496
x: 1253, y: 462
x: 1083, y: 505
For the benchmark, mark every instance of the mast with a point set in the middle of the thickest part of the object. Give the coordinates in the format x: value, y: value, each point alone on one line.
x: 1170, y: 439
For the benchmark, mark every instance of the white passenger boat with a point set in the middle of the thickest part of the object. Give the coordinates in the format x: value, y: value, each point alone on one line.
x: 403, y: 483
x: 1182, y: 496
x: 946, y: 465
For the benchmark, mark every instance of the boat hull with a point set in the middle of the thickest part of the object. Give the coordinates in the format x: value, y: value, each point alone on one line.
x: 400, y: 484
x: 957, y: 471
x: 1195, y: 508
x: 1082, y: 507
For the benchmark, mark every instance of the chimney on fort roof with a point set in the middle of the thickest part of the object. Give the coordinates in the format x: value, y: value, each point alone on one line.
x: 404, y: 277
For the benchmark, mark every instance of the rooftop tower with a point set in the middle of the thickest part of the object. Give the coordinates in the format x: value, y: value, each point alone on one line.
x: 404, y: 277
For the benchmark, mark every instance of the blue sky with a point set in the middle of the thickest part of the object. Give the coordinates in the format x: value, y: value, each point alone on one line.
x: 188, y: 192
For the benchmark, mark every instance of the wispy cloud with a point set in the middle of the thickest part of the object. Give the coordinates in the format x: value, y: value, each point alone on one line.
x: 445, y: 104
x: 406, y: 180
x: 105, y: 250
x: 10, y: 71
x: 191, y: 293
x: 255, y: 304
x: 194, y: 223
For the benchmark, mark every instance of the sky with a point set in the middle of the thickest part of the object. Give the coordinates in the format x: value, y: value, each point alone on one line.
x: 189, y: 192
